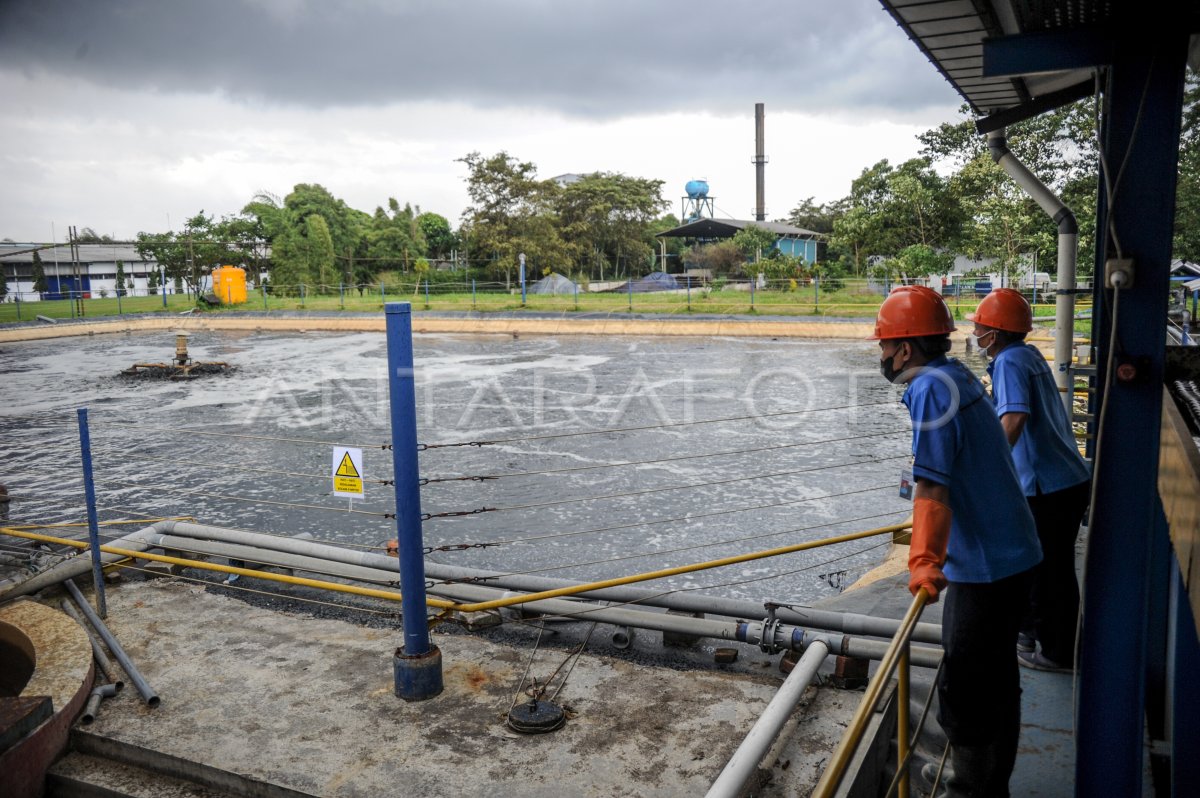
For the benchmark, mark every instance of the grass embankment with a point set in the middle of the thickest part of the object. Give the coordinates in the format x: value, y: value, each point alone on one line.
x: 845, y: 303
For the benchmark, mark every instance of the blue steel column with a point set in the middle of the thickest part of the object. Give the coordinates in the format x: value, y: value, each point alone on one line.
x: 89, y: 489
x: 1140, y: 127
x: 418, y: 665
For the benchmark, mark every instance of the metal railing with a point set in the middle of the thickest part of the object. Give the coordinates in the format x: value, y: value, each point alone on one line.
x: 896, y: 661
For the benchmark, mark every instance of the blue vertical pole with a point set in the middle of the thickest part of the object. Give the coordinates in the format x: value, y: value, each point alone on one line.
x: 426, y: 294
x: 162, y: 284
x: 630, y: 285
x: 1140, y: 121
x: 301, y: 294
x: 342, y: 294
x: 18, y: 300
x: 418, y: 665
x: 816, y: 293
x: 689, y: 290
x: 753, y: 280
x: 263, y: 286
x: 382, y: 292
x: 119, y: 311
x: 576, y: 298
x: 89, y: 489
x: 472, y: 294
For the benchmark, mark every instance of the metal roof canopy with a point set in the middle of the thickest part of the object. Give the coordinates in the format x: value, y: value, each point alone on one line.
x: 1139, y: 648
x: 726, y: 228
x: 1011, y: 59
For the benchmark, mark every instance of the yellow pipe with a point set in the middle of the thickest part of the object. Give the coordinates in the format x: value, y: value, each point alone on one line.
x: 683, y: 569
x: 836, y: 770
x: 479, y: 606
x: 902, y: 723
x: 229, y: 569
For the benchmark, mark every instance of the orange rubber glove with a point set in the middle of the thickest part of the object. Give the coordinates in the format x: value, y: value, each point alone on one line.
x: 927, y: 552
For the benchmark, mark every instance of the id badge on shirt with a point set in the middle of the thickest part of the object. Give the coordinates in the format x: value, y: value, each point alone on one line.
x: 906, y: 483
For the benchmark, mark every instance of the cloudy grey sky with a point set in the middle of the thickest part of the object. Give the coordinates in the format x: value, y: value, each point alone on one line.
x: 128, y: 115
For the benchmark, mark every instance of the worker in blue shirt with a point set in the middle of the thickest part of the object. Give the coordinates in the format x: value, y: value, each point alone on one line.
x: 972, y: 536
x: 1054, y: 478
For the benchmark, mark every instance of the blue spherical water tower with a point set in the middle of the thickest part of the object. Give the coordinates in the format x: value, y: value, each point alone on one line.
x: 697, y: 204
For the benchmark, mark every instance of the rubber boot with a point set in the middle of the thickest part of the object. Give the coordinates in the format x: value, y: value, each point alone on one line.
x: 974, y: 773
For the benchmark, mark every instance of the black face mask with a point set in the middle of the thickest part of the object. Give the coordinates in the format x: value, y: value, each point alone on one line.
x: 889, y: 372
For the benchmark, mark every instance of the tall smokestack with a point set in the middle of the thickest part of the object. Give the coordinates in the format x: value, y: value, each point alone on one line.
x: 760, y: 163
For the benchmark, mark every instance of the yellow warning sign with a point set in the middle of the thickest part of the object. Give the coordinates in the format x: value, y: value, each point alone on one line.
x: 346, y: 468
x: 347, y: 472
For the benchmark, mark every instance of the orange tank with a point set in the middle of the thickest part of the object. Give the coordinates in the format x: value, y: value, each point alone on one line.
x: 229, y: 284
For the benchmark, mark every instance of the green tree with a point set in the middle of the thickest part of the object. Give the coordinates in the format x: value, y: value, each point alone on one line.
x: 511, y: 212
x: 394, y: 238
x: 754, y: 243
x: 120, y: 278
x: 319, y: 250
x: 857, y: 231
x: 39, y: 274
x: 1187, y: 192
x: 609, y: 218
x: 807, y: 215
x: 439, y: 238
x: 919, y: 260
x: 151, y: 281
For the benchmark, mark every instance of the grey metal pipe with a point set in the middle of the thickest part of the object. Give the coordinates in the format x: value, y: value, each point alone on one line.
x: 75, y: 566
x: 102, y: 660
x: 147, y: 693
x: 1068, y: 239
x: 850, y: 623
x: 744, y: 762
x: 93, y: 704
x: 781, y: 636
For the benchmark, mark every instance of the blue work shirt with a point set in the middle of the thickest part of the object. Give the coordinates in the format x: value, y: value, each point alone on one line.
x: 1045, y: 454
x: 958, y: 442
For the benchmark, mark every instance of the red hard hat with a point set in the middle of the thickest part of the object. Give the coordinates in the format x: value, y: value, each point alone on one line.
x: 1004, y: 309
x: 912, y: 311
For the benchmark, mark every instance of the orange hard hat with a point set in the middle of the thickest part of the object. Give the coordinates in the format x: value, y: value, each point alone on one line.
x: 1004, y: 309
x: 912, y: 311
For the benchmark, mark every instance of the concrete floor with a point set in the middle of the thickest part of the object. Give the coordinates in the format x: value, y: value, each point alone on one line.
x: 307, y: 703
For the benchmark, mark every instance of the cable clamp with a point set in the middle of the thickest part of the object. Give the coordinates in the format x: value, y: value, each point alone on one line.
x: 455, y: 513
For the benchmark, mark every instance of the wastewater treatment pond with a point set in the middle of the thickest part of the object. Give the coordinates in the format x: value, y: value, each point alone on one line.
x: 572, y: 457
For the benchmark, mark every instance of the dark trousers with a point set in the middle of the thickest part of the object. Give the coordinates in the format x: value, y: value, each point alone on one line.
x: 979, y: 689
x: 1053, y: 608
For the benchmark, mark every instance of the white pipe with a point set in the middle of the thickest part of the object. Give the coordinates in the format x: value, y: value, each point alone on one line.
x: 1068, y: 238
x: 850, y: 623
x: 744, y: 762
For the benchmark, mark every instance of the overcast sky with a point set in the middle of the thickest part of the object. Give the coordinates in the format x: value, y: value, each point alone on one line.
x: 129, y: 115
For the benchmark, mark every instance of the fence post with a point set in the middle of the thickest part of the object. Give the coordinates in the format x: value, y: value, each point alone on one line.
x: 342, y: 294
x: 302, y: 292
x: 576, y: 297
x: 263, y: 286
x: 89, y: 489
x: 427, y: 294
x: 472, y: 294
x: 18, y: 300
x: 816, y: 293
x: 71, y: 299
x: 630, y: 285
x: 753, y: 280
x: 382, y: 292
x: 119, y: 311
x: 162, y: 277
x: 417, y: 666
x: 689, y: 290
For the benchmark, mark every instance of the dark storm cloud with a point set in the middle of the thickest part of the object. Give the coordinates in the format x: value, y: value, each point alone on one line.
x: 584, y: 57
